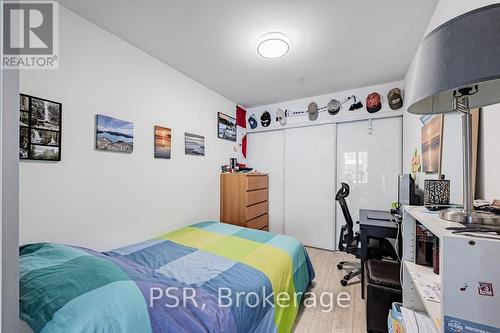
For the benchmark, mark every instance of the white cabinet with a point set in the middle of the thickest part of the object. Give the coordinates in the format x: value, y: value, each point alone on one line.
x: 310, y: 185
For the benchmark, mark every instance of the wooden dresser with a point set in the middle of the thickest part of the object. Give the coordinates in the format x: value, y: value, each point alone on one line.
x: 243, y: 200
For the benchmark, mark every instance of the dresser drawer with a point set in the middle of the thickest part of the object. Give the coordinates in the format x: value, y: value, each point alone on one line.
x: 254, y: 197
x: 256, y: 182
x: 260, y: 222
x: 256, y: 210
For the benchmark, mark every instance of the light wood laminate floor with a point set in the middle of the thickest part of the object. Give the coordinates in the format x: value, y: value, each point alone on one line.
x: 338, y: 320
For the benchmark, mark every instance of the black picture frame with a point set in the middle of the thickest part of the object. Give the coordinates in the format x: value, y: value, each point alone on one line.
x: 227, y: 121
x: 39, y: 139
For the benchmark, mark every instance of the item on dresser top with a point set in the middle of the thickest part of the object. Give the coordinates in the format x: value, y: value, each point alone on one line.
x: 233, y: 163
x: 265, y: 119
x: 281, y: 116
x: 395, y: 99
x: 373, y: 102
x: 245, y: 170
x: 253, y: 121
x: 437, y: 191
x: 312, y: 111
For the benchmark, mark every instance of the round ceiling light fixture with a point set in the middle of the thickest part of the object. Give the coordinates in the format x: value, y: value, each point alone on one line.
x: 273, y: 45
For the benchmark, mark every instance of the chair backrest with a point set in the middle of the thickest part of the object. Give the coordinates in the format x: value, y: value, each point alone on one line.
x: 340, y: 197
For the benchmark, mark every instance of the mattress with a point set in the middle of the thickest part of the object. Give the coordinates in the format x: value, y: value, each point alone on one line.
x: 208, y: 277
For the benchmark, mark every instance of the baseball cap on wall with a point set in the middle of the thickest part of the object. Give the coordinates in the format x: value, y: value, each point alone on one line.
x: 334, y: 106
x: 395, y: 99
x: 265, y: 119
x: 312, y: 111
x: 281, y: 116
x: 373, y: 102
x: 253, y: 122
x: 356, y: 103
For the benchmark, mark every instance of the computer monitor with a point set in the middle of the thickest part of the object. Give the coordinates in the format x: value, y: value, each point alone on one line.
x: 406, y: 191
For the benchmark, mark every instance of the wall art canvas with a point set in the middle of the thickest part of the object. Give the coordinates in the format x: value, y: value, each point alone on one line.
x: 114, y: 134
x: 194, y: 144
x: 431, y: 140
x: 226, y: 127
x: 163, y: 142
x: 40, y: 129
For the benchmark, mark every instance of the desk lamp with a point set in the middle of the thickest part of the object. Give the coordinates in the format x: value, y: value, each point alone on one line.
x: 456, y: 68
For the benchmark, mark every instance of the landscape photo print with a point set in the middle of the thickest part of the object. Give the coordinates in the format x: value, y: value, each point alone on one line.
x: 163, y: 142
x: 114, y: 135
x: 194, y: 144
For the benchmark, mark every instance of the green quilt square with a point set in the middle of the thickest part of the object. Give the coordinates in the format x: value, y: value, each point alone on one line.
x: 234, y: 248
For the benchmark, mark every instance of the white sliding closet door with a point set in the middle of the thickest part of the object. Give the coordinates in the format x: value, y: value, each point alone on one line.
x: 310, y: 185
x: 265, y: 153
x: 370, y: 163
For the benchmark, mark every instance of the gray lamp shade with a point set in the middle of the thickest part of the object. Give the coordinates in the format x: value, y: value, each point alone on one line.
x: 462, y: 52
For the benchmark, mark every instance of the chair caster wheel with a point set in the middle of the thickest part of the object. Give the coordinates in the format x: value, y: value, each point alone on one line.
x: 339, y: 266
x: 343, y: 282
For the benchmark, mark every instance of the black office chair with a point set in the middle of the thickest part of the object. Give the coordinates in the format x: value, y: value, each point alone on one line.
x: 349, y: 240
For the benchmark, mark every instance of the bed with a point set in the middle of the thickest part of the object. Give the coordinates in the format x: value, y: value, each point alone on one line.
x: 208, y: 277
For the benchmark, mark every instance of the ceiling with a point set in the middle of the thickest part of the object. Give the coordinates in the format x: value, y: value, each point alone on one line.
x: 335, y: 44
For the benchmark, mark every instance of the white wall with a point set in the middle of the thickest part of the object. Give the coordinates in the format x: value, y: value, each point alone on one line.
x: 451, y: 158
x: 105, y: 200
x: 489, y: 154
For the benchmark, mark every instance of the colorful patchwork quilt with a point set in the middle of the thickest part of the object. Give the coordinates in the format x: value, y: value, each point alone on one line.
x: 208, y: 277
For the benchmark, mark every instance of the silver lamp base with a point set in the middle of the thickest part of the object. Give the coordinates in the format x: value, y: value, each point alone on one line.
x: 472, y: 217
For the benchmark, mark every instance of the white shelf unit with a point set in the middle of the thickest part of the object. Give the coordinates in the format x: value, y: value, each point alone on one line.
x: 466, y: 262
x: 433, y: 309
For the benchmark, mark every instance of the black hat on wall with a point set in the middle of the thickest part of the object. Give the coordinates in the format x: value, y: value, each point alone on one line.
x: 265, y: 119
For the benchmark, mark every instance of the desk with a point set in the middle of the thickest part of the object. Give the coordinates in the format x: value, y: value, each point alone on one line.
x: 370, y: 228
